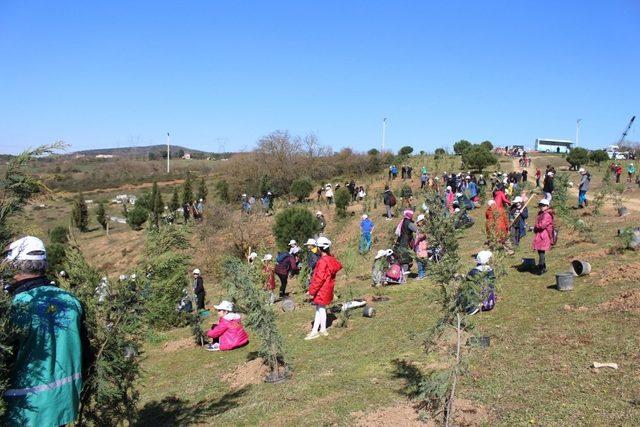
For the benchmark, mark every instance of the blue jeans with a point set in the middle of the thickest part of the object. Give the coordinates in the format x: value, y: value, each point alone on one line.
x: 422, y: 270
x: 582, y: 197
x: 365, y: 243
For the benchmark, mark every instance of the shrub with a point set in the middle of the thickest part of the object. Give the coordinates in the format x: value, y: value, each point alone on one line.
x: 55, y: 256
x: 175, y: 200
x: 137, y: 216
x: 461, y: 146
x: 80, y: 213
x: 296, y: 223
x: 202, y: 190
x: 598, y: 156
x: 222, y: 191
x: 301, y: 188
x: 59, y: 234
x: 578, y: 156
x: 342, y: 199
x: 187, y: 190
x: 440, y: 152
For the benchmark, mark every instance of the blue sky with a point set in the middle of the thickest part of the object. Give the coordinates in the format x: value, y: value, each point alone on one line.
x: 108, y: 74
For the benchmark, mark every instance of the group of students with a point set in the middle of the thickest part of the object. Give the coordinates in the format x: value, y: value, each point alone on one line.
x: 357, y: 192
x: 616, y: 168
x: 193, y: 209
x: 248, y: 202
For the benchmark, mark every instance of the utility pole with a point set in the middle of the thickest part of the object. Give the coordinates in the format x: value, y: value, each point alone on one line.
x: 384, y: 131
x: 578, y: 130
x: 168, y: 153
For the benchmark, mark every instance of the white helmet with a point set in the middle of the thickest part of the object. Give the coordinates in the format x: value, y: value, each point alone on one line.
x: 196, y: 271
x: 323, y: 243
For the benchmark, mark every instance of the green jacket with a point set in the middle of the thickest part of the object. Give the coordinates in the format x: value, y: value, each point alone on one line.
x: 47, y: 376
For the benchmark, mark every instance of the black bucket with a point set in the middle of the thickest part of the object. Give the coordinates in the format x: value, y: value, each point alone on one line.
x: 368, y: 311
x: 580, y: 268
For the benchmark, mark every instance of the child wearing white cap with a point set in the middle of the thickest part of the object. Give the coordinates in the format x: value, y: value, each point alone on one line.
x: 482, y: 274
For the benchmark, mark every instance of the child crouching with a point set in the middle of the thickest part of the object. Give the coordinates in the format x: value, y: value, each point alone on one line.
x: 228, y: 334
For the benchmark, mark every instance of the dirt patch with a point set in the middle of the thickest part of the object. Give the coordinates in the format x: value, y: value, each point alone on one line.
x: 184, y: 343
x: 589, y: 256
x: 621, y: 273
x: 580, y: 309
x: 628, y: 301
x: 402, y: 414
x: 251, y: 372
x: 468, y: 413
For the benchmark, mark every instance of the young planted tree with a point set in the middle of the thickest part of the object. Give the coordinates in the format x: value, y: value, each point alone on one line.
x: 563, y: 211
x: 342, y: 199
x: 187, y: 189
x: 577, y: 157
x: 202, y: 190
x: 114, y: 337
x: 296, y: 223
x: 80, y: 213
x: 243, y: 285
x: 101, y: 216
x: 301, y: 188
x: 598, y: 156
x: 222, y: 191
x: 137, y: 216
x: 175, y: 201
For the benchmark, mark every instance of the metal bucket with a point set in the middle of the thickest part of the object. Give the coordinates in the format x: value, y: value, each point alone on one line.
x: 580, y: 268
x: 288, y: 305
x: 369, y: 311
x: 564, y: 281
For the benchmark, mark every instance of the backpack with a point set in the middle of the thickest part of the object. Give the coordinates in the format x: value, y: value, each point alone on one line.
x: 392, y: 200
x: 281, y: 257
x: 554, y: 236
x: 395, y: 272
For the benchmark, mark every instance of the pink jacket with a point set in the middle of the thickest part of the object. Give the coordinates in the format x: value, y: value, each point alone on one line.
x: 544, y: 231
x: 229, y: 332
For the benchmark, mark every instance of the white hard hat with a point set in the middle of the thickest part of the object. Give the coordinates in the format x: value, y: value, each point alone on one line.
x: 28, y: 248
x: 323, y: 243
x: 196, y: 271
x: 311, y: 242
x: 483, y: 257
x: 292, y: 242
x: 543, y: 202
x: 224, y: 305
x: 381, y: 253
x: 267, y: 257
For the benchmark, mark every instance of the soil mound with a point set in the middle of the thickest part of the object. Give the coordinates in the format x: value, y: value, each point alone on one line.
x: 251, y: 372
x: 628, y: 301
x: 181, y: 344
x: 402, y: 414
x: 621, y: 273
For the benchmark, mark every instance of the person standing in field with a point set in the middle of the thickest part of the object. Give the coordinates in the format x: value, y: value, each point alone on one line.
x: 631, y: 171
x: 321, y: 288
x: 544, y: 234
x: 585, y: 181
x: 47, y: 367
x: 538, y: 174
x: 366, y: 228
x: 548, y: 187
x: 198, y: 289
x: 389, y: 201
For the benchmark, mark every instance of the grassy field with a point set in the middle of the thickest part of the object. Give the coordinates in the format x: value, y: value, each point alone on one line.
x: 536, y: 371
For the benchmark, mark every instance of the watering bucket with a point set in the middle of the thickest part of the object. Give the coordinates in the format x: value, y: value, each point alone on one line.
x: 580, y: 268
x: 564, y: 281
x: 369, y: 312
x: 288, y: 305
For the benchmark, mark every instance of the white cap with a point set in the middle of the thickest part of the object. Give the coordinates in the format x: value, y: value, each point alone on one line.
x: 224, y: 305
x: 549, y: 173
x: 365, y: 216
x: 244, y: 195
x: 389, y: 252
x: 292, y: 242
x: 267, y: 257
x: 449, y: 187
x: 581, y: 170
x: 491, y: 202
x: 420, y: 218
x: 483, y: 257
x: 28, y: 248
x: 269, y: 193
x: 456, y: 210
x: 323, y: 243
x: 458, y: 194
x: 543, y: 202
x: 196, y: 271
x: 517, y: 199
x: 381, y: 253
x: 311, y: 242
x: 318, y: 213
x: 253, y: 256
x: 122, y: 277
x: 201, y: 200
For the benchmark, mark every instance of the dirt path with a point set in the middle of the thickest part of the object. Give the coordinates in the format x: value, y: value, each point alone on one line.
x: 134, y: 186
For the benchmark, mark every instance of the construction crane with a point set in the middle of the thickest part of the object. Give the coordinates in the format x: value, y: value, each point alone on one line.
x: 624, y: 134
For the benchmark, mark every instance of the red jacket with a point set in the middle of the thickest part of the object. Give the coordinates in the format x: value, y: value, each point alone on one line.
x: 501, y: 199
x: 324, y: 279
x: 229, y: 332
x: 544, y: 231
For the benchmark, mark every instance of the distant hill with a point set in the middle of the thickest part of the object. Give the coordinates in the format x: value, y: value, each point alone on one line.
x: 158, y: 150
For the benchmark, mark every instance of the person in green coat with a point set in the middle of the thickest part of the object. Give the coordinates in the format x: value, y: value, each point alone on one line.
x: 46, y: 374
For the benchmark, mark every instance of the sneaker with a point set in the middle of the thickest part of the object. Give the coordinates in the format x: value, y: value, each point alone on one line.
x: 312, y: 336
x: 324, y: 333
x: 212, y: 347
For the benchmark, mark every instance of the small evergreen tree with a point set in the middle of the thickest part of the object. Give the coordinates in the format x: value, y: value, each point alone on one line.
x: 202, y: 190
x: 296, y: 223
x: 301, y: 188
x: 175, y: 200
x: 265, y: 185
x: 59, y: 234
x: 101, y: 216
x: 187, y: 190
x: 80, y: 213
x: 222, y: 191
x: 137, y: 216
x: 578, y: 156
x: 598, y: 156
x: 342, y: 198
x: 461, y: 146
